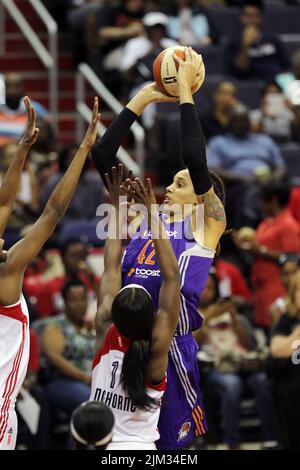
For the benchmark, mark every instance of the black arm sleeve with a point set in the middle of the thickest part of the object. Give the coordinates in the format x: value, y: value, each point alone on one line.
x: 193, y: 149
x: 105, y: 149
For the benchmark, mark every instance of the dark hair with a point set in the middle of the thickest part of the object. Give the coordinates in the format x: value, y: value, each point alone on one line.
x: 277, y: 188
x: 218, y: 185
x: 253, y: 3
x: 92, y: 421
x: 265, y: 86
x: 133, y: 314
x: 68, y: 243
x: 69, y: 285
x: 214, y: 277
x: 219, y: 190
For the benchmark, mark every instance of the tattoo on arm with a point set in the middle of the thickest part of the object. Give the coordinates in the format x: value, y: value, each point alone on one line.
x: 214, y: 207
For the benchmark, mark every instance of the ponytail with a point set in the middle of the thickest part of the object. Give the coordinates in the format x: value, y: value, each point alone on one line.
x: 133, y: 375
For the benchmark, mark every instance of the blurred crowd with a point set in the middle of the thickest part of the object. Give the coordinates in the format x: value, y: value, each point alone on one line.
x: 249, y: 108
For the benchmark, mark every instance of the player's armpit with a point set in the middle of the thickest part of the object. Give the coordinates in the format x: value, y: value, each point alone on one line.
x: 213, y: 207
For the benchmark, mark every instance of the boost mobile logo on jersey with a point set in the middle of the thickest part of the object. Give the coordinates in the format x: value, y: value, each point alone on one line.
x: 143, y: 273
x: 185, y: 429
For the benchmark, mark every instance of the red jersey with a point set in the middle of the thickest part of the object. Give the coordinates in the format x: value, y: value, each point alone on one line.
x: 281, y: 233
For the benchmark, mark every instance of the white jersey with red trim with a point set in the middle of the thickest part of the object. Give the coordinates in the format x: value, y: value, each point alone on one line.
x: 132, y: 425
x: 14, y: 356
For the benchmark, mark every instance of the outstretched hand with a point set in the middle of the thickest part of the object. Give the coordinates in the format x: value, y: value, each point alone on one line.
x: 31, y: 131
x: 142, y: 194
x: 114, y: 184
x: 91, y: 133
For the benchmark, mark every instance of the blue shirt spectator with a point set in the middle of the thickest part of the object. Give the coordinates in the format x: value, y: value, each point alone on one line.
x: 242, y: 153
x: 244, y: 160
x: 244, y: 157
x: 13, y: 115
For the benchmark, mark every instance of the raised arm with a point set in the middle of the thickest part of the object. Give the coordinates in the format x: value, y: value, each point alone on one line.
x: 169, y: 297
x: 111, y: 278
x: 11, y: 180
x: 105, y: 149
x: 23, y: 252
x: 194, y: 145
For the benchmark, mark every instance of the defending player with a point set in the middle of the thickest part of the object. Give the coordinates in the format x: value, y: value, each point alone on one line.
x: 14, y: 329
x: 129, y: 370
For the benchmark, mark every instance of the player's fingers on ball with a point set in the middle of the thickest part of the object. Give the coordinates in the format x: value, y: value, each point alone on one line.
x: 177, y: 59
x: 199, y: 60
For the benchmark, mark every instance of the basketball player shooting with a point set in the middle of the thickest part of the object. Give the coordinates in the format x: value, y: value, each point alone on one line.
x: 14, y: 328
x: 182, y: 415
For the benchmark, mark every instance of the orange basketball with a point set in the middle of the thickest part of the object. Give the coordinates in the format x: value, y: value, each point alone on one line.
x: 165, y: 71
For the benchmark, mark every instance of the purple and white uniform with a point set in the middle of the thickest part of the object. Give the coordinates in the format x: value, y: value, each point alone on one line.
x: 182, y: 414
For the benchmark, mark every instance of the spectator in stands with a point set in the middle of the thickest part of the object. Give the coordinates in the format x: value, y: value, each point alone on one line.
x: 294, y: 204
x: 287, y: 80
x: 243, y: 159
x: 277, y: 234
x: 27, y: 200
x: 13, y: 117
x: 290, y: 83
x: 285, y: 347
x: 215, y: 120
x: 191, y: 25
x: 289, y: 265
x: 228, y: 338
x: 274, y: 118
x: 232, y: 283
x: 140, y: 52
x: 44, y: 150
x: 89, y: 192
x: 47, y: 293
x: 116, y: 24
x: 69, y: 349
x: 254, y: 54
x: 80, y: 20
x: 40, y: 439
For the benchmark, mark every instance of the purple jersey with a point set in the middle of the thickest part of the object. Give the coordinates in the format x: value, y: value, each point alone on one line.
x: 139, y: 266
